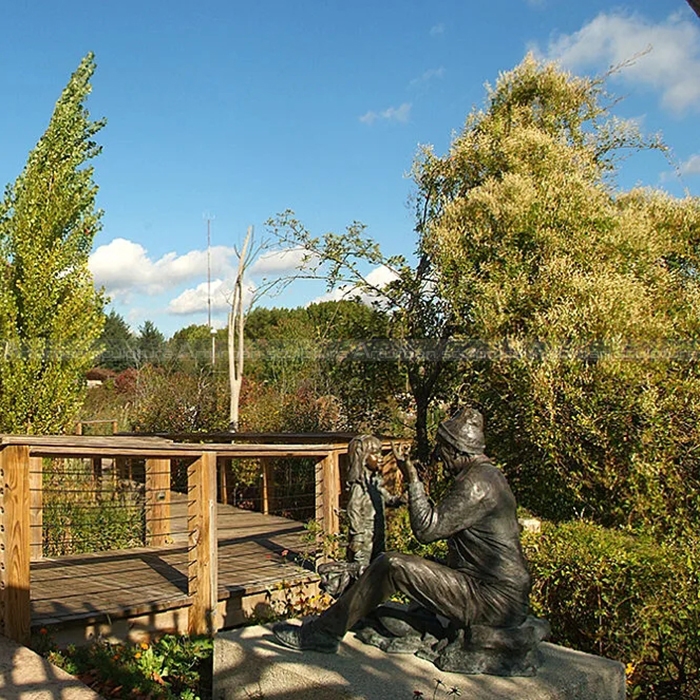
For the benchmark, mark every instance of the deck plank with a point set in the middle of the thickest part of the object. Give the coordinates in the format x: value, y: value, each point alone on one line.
x: 255, y: 552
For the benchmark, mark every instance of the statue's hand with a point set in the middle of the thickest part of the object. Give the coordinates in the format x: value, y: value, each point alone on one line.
x: 401, y: 451
x: 403, y: 460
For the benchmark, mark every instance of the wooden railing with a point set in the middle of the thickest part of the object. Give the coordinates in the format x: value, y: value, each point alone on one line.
x: 22, y: 494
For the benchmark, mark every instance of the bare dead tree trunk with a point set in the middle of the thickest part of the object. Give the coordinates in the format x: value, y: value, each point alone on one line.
x: 236, y: 327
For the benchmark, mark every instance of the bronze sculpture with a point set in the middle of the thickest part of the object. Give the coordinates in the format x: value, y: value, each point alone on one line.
x: 481, y: 592
x: 366, y: 502
x: 365, y: 509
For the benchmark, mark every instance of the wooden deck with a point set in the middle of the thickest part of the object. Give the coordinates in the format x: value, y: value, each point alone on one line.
x: 255, y: 553
x: 198, y: 574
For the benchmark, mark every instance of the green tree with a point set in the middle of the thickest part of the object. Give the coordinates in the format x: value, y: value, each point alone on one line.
x: 420, y: 324
x: 358, y: 365
x: 190, y: 347
x: 150, y: 344
x: 577, y: 301
x: 118, y: 343
x: 50, y: 313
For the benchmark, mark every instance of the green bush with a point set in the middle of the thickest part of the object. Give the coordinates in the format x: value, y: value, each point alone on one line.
x: 623, y: 596
x: 165, y: 401
x: 170, y: 667
x: 82, y: 515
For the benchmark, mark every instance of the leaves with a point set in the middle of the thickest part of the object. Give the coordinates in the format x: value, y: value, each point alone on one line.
x: 582, y: 299
x: 607, y: 592
x: 50, y: 312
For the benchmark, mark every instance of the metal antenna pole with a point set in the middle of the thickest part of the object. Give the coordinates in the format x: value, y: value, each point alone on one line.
x: 212, y: 332
x: 209, y: 273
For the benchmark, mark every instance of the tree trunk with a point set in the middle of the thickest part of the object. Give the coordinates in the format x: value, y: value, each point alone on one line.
x: 422, y: 442
x: 236, y: 328
x: 695, y: 4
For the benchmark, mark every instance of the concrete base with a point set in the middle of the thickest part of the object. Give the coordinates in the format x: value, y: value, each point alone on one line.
x: 24, y: 675
x: 248, y: 663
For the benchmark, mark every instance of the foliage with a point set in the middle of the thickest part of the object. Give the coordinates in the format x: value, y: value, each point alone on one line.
x: 308, y: 369
x: 189, y: 350
x: 400, y: 537
x: 171, y: 668
x: 419, y: 323
x: 290, y: 600
x: 334, y: 351
x: 577, y: 303
x: 440, y: 686
x: 150, y: 345
x: 81, y: 514
x: 173, y: 401
x: 119, y: 345
x: 607, y: 592
x: 50, y: 313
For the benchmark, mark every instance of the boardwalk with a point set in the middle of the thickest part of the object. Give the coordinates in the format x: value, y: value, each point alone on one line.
x: 199, y: 572
x: 255, y: 553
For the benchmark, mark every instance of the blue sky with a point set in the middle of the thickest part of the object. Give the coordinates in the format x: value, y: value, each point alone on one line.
x: 241, y: 110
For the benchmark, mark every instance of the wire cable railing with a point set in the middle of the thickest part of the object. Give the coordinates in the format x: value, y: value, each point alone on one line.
x: 91, y: 525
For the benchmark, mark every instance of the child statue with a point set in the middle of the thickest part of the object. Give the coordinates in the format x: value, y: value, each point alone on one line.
x: 367, y: 500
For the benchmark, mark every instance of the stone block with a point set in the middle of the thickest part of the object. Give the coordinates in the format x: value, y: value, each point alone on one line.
x: 248, y: 663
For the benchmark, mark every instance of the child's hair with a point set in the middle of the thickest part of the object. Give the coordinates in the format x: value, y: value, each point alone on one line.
x: 358, y: 449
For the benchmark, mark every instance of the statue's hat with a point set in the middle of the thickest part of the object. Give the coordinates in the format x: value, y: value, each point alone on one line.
x: 465, y: 431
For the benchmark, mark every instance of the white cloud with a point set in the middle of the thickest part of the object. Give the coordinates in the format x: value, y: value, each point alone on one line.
x: 672, y: 67
x: 124, y: 267
x: 427, y: 76
x: 437, y: 29
x: 691, y: 166
x: 278, y: 262
x: 379, y: 277
x: 195, y: 299
x: 393, y: 114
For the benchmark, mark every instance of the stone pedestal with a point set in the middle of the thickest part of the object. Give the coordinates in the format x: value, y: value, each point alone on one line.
x: 248, y: 663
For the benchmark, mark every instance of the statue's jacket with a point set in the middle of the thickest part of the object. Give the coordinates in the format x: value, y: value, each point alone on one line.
x: 366, y: 518
x: 478, y: 519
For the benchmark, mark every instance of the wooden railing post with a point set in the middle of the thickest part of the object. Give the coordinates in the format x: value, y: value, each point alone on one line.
x: 97, y: 477
x: 223, y: 481
x: 267, y: 485
x: 15, y: 546
x: 202, y: 565
x: 226, y: 480
x: 36, y: 508
x: 157, y: 502
x: 328, y: 493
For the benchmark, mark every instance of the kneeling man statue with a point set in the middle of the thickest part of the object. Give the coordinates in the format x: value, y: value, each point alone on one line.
x: 472, y: 610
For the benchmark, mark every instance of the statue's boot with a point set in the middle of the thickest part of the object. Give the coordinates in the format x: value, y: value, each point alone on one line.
x: 305, y: 637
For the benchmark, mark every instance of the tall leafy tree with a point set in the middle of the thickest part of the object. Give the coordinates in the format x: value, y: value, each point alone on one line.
x: 50, y: 313
x: 150, y: 344
x: 583, y: 299
x: 118, y: 343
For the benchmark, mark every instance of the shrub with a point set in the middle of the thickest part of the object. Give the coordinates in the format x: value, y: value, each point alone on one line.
x: 177, y: 402
x: 170, y: 667
x: 82, y: 515
x: 100, y: 374
x: 609, y: 592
